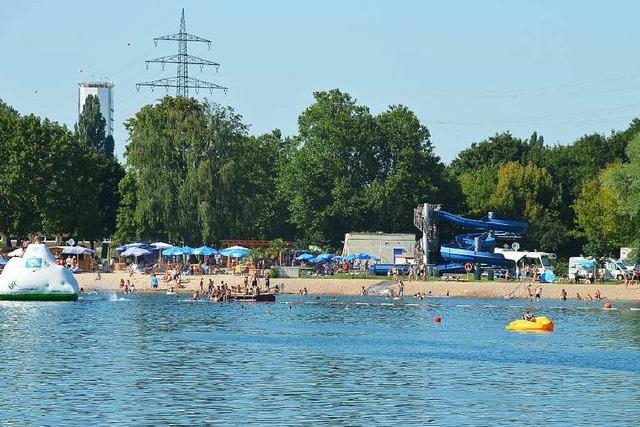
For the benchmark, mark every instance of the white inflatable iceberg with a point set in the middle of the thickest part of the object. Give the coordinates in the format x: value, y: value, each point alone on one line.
x: 36, y: 277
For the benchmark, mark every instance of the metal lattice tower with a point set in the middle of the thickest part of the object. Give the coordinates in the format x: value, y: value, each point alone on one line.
x: 182, y: 82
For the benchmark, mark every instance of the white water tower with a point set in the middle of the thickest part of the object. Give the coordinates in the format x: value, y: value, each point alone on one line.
x: 104, y: 92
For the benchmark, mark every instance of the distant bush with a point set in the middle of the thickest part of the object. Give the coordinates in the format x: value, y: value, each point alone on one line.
x: 562, y: 268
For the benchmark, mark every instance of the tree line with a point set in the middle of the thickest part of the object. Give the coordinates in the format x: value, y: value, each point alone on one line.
x: 194, y: 174
x: 56, y: 181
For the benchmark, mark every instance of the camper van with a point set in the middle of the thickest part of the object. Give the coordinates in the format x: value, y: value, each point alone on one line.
x: 615, y: 270
x: 540, y: 261
x: 580, y: 267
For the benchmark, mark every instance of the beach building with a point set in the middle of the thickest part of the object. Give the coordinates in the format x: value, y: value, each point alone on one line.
x: 104, y: 92
x: 384, y: 246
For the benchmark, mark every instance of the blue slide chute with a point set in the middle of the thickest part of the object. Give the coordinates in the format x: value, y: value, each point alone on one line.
x: 464, y: 250
x: 491, y: 224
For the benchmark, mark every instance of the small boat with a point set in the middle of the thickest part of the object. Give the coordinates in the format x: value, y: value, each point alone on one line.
x: 541, y: 323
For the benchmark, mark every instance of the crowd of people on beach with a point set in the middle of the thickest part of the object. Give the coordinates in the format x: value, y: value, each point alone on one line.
x: 224, y: 291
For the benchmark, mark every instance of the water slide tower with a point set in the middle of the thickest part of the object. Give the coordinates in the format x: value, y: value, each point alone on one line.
x: 104, y: 92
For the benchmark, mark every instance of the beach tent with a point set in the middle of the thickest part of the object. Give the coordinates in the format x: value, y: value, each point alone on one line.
x: 205, y: 251
x: 547, y: 277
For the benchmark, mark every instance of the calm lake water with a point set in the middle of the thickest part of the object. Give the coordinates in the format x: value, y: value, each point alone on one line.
x: 156, y: 360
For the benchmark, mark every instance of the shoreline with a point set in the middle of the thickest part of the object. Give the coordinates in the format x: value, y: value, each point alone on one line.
x: 353, y: 287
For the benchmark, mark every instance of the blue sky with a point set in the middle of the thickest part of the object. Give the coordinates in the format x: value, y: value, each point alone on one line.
x: 468, y: 69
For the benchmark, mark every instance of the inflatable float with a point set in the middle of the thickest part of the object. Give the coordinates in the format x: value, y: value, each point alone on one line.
x: 36, y: 277
x: 541, y: 323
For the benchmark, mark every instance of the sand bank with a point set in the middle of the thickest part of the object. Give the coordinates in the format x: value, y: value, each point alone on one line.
x: 332, y: 286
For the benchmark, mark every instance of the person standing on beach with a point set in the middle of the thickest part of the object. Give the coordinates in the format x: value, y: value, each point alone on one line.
x: 563, y: 294
x: 400, y: 289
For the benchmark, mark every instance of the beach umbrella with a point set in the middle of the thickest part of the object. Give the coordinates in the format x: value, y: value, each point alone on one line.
x: 587, y: 264
x: 135, y: 252
x: 161, y: 245
x: 130, y: 245
x: 234, y: 250
x: 76, y: 250
x: 171, y: 251
x: 324, y: 257
x: 363, y: 256
x: 304, y: 257
x: 205, y: 251
x: 237, y: 254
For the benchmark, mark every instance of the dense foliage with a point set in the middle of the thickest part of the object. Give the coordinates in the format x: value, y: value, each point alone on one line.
x: 199, y: 177
x: 194, y: 175
x: 52, y: 181
x: 91, y: 127
x: 561, y: 190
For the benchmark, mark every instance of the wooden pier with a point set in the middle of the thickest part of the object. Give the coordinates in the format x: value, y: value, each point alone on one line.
x: 263, y: 297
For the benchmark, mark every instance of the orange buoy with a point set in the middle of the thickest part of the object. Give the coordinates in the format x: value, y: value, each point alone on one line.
x: 607, y: 305
x: 437, y: 319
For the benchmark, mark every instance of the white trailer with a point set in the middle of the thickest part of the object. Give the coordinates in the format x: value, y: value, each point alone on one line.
x: 540, y: 261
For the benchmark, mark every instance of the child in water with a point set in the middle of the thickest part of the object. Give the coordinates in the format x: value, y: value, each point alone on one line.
x: 528, y: 316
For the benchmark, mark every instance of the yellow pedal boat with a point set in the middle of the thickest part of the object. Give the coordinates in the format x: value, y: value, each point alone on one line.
x: 541, y: 323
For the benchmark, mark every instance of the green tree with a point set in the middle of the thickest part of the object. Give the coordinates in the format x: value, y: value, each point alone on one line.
x: 528, y: 193
x: 410, y: 172
x: 598, y: 217
x: 199, y: 177
x: 91, y: 127
x: 325, y: 179
x: 356, y: 171
x: 11, y: 186
x: 494, y: 151
x: 478, y: 187
x: 127, y: 224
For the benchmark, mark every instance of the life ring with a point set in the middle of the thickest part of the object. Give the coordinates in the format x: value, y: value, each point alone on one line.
x: 468, y: 267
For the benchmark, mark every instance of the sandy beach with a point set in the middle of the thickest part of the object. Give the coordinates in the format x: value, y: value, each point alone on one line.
x: 345, y: 286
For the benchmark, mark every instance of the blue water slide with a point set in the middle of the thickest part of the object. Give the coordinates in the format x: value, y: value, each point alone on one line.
x: 492, y: 224
x: 487, y: 242
x: 453, y: 268
x: 454, y: 253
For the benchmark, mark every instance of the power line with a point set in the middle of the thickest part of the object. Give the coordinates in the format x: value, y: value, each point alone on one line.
x: 182, y: 82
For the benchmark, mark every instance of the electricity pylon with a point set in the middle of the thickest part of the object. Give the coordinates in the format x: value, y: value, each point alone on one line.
x: 182, y: 82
